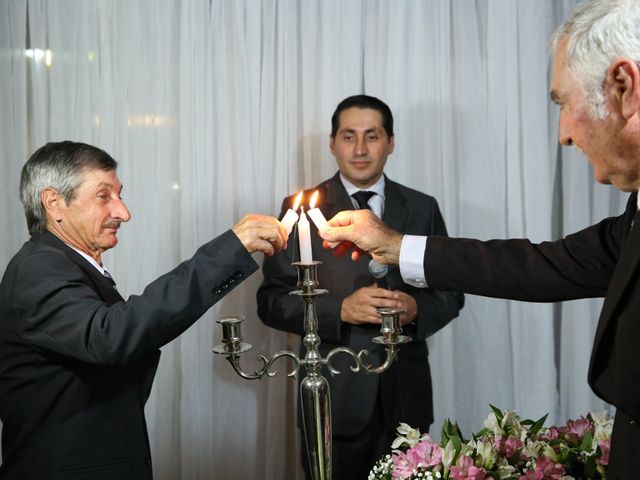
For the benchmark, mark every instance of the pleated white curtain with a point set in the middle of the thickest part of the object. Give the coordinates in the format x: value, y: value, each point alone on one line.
x: 218, y: 108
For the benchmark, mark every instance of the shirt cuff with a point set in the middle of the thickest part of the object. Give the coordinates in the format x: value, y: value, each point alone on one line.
x: 412, y: 251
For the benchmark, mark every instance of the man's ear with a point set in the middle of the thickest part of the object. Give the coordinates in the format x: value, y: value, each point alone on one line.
x: 623, y: 76
x: 391, y: 145
x: 52, y: 202
x: 332, y: 144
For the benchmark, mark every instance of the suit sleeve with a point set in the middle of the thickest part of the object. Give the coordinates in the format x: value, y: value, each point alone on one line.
x: 436, y: 308
x: 577, y: 266
x: 60, y: 313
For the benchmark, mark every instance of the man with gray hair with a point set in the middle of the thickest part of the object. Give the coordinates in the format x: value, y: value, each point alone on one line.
x: 76, y: 360
x: 596, y: 83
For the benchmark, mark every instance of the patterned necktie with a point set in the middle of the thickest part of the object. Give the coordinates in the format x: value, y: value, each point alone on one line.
x: 362, y: 198
x: 108, y: 276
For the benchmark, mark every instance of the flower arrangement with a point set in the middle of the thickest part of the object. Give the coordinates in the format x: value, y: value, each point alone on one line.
x: 508, y: 448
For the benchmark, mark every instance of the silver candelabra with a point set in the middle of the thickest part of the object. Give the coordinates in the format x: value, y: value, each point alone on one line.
x: 314, y: 388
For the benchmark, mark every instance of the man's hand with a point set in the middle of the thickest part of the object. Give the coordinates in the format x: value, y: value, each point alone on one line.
x: 367, y: 232
x: 261, y: 233
x: 360, y: 306
x: 408, y: 303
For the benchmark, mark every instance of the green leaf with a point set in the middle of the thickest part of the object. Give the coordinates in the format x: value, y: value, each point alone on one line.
x: 537, y: 426
x: 498, y: 413
x: 585, y: 445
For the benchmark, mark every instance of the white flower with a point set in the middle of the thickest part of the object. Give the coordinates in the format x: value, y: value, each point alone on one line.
x: 603, y: 426
x: 532, y: 448
x: 448, y: 454
x: 491, y: 422
x: 505, y: 471
x: 408, y: 435
x: 486, y: 453
x: 550, y: 453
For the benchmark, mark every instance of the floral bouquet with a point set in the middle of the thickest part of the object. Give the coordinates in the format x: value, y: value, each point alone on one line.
x: 508, y: 448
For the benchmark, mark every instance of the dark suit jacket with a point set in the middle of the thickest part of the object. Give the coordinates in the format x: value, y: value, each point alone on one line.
x: 77, y: 362
x: 406, y: 386
x: 600, y: 261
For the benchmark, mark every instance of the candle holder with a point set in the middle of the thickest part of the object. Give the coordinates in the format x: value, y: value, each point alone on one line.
x: 314, y: 388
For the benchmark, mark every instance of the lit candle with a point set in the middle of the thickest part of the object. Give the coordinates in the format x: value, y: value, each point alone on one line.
x: 291, y: 217
x: 305, y: 238
x: 317, y: 216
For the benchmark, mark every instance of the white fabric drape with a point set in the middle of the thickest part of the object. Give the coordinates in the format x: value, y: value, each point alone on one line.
x: 217, y: 108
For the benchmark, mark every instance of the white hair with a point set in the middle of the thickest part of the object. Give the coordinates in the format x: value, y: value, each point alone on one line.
x: 598, y: 32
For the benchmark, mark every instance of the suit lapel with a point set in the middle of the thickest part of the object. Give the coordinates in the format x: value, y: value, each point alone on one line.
x: 337, y: 198
x: 103, y: 286
x: 395, y: 209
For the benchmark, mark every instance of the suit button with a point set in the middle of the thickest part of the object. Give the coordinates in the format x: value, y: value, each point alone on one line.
x: 147, y: 460
x: 633, y: 423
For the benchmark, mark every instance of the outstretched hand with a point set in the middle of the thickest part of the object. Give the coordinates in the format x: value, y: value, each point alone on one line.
x: 362, y: 232
x: 261, y: 233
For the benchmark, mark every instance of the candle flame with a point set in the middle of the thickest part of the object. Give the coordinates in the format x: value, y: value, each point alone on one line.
x: 314, y: 199
x: 297, y: 202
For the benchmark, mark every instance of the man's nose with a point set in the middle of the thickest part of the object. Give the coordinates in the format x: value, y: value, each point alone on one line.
x: 564, y: 137
x: 121, y: 212
x: 361, y: 146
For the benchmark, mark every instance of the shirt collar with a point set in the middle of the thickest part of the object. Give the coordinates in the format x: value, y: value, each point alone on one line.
x: 377, y: 188
x: 88, y: 258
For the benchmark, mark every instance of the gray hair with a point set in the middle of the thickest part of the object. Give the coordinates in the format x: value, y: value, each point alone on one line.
x: 60, y: 166
x: 599, y: 31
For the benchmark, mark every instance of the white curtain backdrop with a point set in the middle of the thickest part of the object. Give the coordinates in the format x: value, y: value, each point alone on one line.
x: 218, y: 108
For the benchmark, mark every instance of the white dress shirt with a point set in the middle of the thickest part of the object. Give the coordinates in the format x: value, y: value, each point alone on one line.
x: 376, y: 202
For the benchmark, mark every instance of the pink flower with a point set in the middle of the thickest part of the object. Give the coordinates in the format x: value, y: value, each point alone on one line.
x: 545, y: 470
x: 466, y: 470
x: 404, y: 464
x: 430, y: 453
x: 425, y: 454
x: 551, y: 434
x: 579, y: 427
x: 507, y: 447
x: 604, y: 448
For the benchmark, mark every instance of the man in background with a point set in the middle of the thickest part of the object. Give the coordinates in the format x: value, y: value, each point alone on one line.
x: 366, y: 409
x: 76, y: 360
x: 596, y: 83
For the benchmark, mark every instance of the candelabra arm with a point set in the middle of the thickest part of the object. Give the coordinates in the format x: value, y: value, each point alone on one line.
x: 234, y: 360
x: 278, y: 355
x: 392, y: 353
x: 335, y: 351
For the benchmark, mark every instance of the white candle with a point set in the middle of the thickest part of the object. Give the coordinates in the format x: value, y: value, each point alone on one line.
x: 305, y: 239
x: 318, y: 218
x: 289, y: 219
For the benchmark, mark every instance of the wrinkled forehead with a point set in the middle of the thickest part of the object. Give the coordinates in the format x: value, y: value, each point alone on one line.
x: 96, y: 177
x: 561, y: 75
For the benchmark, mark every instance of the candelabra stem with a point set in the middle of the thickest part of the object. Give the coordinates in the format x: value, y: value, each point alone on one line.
x: 314, y: 388
x: 316, y: 415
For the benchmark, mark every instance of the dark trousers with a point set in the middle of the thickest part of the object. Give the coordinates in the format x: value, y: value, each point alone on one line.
x: 624, y: 458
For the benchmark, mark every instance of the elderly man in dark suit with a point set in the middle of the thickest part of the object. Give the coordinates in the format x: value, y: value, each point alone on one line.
x: 76, y: 360
x: 596, y: 82
x: 366, y: 409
